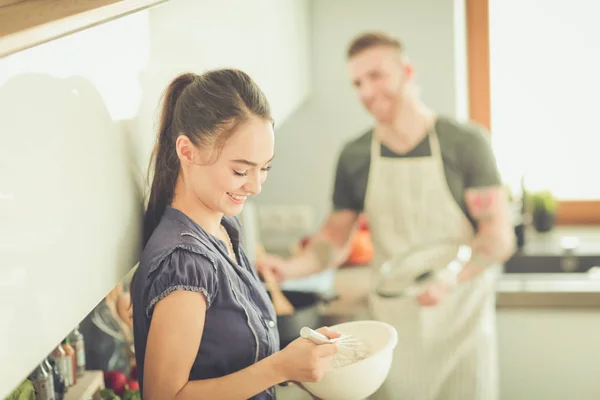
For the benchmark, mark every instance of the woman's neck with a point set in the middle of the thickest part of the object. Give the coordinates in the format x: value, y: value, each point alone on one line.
x: 197, y: 211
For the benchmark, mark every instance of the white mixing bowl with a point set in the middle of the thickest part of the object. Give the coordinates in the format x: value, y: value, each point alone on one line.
x: 359, y: 380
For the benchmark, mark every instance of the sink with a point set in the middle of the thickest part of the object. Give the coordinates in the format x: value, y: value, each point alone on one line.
x: 566, y: 263
x: 565, y: 249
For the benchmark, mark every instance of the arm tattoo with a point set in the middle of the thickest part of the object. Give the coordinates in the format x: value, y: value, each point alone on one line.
x: 483, y: 202
x: 488, y: 206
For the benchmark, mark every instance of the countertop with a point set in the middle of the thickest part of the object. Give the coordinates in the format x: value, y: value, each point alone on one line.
x: 559, y: 290
x: 513, y: 290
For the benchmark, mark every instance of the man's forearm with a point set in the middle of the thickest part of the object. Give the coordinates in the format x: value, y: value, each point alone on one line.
x: 488, y: 249
x: 495, y: 239
x: 329, y: 247
x: 319, y: 255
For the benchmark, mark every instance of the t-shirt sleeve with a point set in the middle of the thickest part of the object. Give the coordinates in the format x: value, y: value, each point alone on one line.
x: 481, y: 166
x: 344, y: 197
x: 182, y: 270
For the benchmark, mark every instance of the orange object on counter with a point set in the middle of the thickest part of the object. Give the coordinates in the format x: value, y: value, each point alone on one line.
x: 361, y: 251
x: 70, y: 352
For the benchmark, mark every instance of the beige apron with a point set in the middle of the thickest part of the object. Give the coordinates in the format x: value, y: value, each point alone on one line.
x: 447, y: 351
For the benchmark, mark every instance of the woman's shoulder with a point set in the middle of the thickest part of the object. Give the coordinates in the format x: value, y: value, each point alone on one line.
x: 181, y: 268
x: 178, y: 256
x: 177, y: 231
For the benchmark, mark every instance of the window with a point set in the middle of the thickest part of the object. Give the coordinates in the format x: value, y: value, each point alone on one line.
x: 533, y: 81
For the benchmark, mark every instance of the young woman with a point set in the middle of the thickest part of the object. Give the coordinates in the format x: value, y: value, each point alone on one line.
x: 204, y: 326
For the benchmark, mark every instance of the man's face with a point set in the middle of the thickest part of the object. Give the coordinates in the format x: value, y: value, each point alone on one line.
x: 380, y: 77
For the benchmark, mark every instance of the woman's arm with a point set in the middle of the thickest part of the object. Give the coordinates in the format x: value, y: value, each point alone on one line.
x: 173, y: 343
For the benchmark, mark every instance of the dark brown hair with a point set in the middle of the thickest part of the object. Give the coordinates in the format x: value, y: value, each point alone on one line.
x: 371, y: 39
x: 207, y: 109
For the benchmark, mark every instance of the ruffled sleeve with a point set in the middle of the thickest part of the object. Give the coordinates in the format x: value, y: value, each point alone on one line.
x: 182, y: 270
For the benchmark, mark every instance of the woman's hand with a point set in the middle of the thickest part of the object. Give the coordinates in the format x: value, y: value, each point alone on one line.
x: 304, y: 361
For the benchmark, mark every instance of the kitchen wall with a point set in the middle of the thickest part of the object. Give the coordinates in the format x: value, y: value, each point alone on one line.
x: 268, y: 39
x: 74, y: 114
x: 308, y: 143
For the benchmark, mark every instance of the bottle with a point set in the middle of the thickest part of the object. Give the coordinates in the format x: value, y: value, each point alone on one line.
x: 521, y: 220
x: 66, y: 345
x: 59, y: 383
x: 63, y: 363
x: 41, y: 384
x: 78, y: 344
x: 46, y: 366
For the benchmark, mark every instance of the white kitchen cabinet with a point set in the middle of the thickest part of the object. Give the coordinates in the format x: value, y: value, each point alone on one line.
x: 549, y: 353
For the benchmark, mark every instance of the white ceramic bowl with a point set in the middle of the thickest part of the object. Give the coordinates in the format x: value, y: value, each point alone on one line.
x: 359, y: 380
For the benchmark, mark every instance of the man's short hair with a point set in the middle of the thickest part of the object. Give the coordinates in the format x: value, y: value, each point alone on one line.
x: 372, y: 39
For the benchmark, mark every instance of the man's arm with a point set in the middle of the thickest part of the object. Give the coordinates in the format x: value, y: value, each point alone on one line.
x: 329, y: 247
x: 495, y: 239
x: 487, y: 204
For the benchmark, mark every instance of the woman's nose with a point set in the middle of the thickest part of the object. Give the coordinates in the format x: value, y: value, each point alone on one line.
x: 254, y: 184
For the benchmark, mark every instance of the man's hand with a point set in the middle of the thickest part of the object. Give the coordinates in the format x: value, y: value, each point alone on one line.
x: 275, y: 263
x: 487, y: 250
x: 469, y: 272
x: 434, y: 294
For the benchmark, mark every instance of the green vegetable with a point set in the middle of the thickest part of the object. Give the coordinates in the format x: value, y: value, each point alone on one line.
x: 25, y: 391
x: 132, y: 395
x: 108, y: 394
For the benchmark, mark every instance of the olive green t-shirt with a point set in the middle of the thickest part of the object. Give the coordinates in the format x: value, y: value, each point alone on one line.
x: 466, y: 154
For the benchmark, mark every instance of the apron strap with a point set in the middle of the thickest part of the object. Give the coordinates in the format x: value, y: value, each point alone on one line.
x: 375, y: 147
x: 434, y: 145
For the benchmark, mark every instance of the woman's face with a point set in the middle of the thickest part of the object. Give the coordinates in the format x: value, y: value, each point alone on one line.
x: 240, y: 170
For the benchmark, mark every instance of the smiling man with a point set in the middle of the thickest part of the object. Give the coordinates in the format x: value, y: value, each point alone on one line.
x: 419, y: 177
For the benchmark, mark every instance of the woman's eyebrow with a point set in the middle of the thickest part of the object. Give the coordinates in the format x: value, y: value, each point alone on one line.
x: 250, y: 163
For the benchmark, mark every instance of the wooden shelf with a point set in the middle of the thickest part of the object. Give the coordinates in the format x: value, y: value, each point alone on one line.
x: 27, y: 23
x: 86, y: 386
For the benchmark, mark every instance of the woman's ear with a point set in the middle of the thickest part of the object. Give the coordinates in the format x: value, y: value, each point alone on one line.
x: 185, y: 149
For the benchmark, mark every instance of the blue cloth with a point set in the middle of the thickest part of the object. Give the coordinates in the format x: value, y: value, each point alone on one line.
x: 240, y: 326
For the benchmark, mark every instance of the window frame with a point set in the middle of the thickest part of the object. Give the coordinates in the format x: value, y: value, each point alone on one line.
x: 572, y: 212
